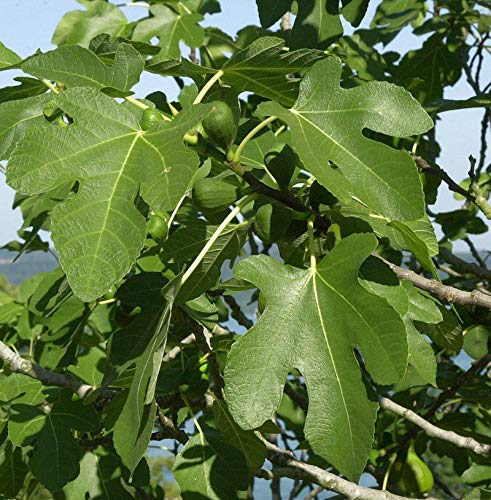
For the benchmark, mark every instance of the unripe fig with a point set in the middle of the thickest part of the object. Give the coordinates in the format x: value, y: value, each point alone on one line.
x: 220, y: 125
x: 150, y: 118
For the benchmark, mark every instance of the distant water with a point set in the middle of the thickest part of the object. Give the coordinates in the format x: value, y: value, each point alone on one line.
x: 26, y: 266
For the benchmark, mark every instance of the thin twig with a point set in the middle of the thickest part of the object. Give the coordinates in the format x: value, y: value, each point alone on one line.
x: 440, y: 173
x: 433, y: 431
x: 474, y: 251
x: 286, y: 465
x: 236, y: 312
x: 168, y: 430
x: 462, y: 266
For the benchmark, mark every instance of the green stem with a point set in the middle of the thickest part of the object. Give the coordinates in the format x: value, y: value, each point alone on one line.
x: 208, y: 86
x: 50, y: 86
x: 251, y: 135
x: 142, y: 105
x: 136, y: 102
x: 193, y: 416
x: 392, y: 461
x: 134, y: 4
x: 480, y: 200
x: 174, y: 213
x: 184, y: 8
x: 231, y: 216
x: 310, y: 227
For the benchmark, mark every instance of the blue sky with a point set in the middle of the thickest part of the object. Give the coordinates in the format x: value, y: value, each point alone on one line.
x: 26, y: 25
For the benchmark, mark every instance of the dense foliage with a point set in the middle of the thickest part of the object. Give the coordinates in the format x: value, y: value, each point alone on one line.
x: 307, y: 159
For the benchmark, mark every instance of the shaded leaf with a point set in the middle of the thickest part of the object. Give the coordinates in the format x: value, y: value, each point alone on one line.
x: 447, y: 333
x: 246, y: 442
x: 271, y: 10
x: 392, y: 16
x: 476, y: 339
x: 29, y: 87
x: 429, y: 69
x: 13, y: 470
x: 99, y: 478
x: 133, y: 428
x: 21, y: 389
x: 186, y: 243
x: 207, y: 467
x: 317, y: 24
x: 55, y: 444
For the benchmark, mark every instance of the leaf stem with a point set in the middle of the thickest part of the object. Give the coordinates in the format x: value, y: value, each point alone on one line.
x: 251, y: 135
x: 142, y: 105
x: 174, y: 212
x: 50, y: 86
x: 136, y: 102
x: 387, y: 472
x: 193, y: 416
x: 215, y: 236
x: 208, y: 86
x: 134, y: 4
x: 310, y: 227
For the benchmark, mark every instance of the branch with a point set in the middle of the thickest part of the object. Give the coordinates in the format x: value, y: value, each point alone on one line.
x: 476, y: 367
x: 284, y: 197
x: 174, y: 352
x: 433, y: 431
x: 286, y: 465
x: 474, y: 251
x: 444, y: 292
x: 439, y: 172
x: 190, y: 339
x: 430, y: 429
x: 20, y: 365
x: 203, y: 341
x: 286, y: 23
x: 463, y: 266
x: 168, y: 430
x: 236, y: 312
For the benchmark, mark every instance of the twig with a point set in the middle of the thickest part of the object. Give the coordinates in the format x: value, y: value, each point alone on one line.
x: 439, y: 172
x: 174, y: 352
x: 286, y: 465
x: 480, y: 200
x: 463, y: 378
x: 190, y: 339
x: 444, y: 292
x: 443, y: 486
x: 474, y: 251
x: 203, y: 341
x: 477, y: 367
x: 168, y: 430
x: 284, y: 197
x: 295, y: 396
x: 236, y: 312
x: 20, y: 365
x: 286, y: 23
x: 463, y: 266
x: 433, y: 431
x: 314, y: 493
